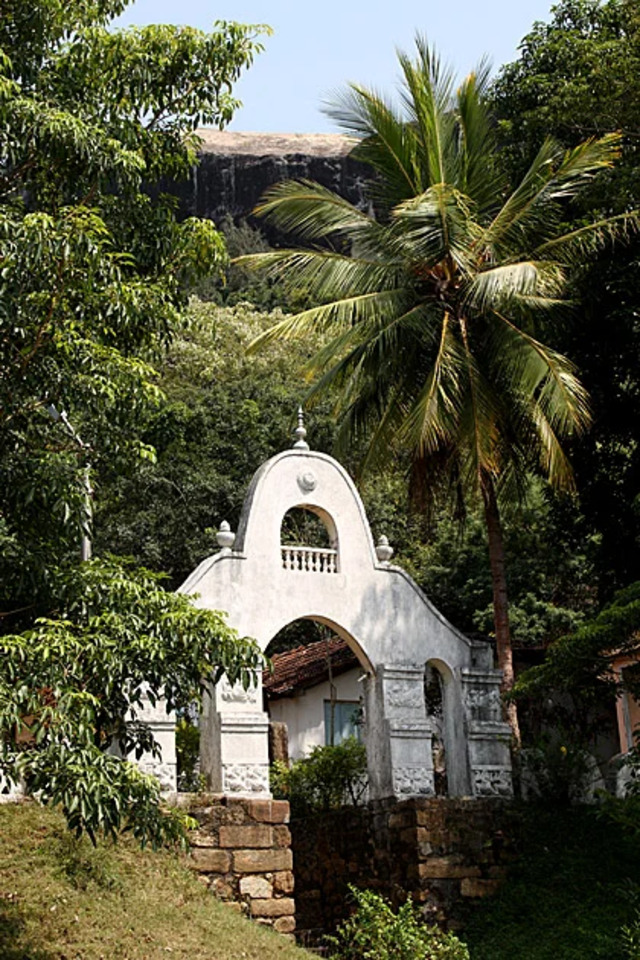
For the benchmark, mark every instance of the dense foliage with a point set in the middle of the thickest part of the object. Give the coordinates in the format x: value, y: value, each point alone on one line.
x: 579, y: 664
x: 572, y: 891
x: 549, y: 559
x: 225, y: 414
x: 73, y: 686
x: 239, y: 285
x: 93, y: 268
x: 376, y: 932
x: 577, y: 77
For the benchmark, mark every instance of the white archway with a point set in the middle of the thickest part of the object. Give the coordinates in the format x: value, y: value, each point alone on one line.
x: 263, y: 585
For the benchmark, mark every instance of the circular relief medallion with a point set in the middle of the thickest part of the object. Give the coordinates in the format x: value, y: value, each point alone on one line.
x: 307, y: 482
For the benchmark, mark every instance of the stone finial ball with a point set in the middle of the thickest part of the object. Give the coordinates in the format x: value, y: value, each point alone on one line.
x: 384, y: 551
x: 225, y: 536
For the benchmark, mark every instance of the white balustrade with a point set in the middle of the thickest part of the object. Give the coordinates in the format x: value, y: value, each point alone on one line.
x: 310, y: 559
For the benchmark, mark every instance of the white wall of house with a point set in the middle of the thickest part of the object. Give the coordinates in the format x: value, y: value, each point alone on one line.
x: 304, y: 713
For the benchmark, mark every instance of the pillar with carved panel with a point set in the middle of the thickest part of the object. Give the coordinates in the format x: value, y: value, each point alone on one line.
x: 234, y: 752
x: 488, y: 737
x: 398, y: 733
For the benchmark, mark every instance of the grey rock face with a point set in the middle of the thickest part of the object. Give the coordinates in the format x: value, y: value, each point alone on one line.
x: 236, y: 168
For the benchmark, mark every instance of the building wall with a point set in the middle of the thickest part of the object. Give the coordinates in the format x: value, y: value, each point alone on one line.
x: 304, y: 714
x: 627, y: 708
x: 379, y: 611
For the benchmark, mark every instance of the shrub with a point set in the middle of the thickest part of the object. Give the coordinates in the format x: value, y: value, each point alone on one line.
x: 240, y: 284
x: 376, y: 932
x: 572, y: 891
x: 556, y: 769
x: 329, y: 777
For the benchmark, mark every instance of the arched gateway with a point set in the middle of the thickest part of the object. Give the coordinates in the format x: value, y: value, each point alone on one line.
x: 393, y: 629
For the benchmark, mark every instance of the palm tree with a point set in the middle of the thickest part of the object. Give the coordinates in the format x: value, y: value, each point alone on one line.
x: 437, y: 301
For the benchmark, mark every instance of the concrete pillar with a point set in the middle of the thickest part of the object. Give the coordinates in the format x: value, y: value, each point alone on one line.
x: 234, y: 738
x: 488, y: 738
x: 398, y: 733
x: 163, y: 728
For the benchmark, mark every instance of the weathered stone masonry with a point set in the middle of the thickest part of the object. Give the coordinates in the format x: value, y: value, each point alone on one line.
x: 242, y: 852
x: 443, y: 852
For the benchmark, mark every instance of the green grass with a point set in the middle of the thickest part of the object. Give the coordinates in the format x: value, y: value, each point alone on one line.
x: 574, y: 886
x: 64, y: 900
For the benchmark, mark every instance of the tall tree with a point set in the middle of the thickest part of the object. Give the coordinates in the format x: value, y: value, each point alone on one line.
x: 92, y: 282
x: 438, y: 301
x: 93, y: 270
x: 579, y: 76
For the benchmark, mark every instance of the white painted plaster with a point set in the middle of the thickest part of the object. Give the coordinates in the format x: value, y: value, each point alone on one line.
x: 378, y: 610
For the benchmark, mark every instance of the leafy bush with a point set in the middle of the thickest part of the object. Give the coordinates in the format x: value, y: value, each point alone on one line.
x: 328, y: 778
x: 556, y: 769
x: 376, y: 932
x: 631, y: 938
x: 78, y: 685
x: 242, y: 285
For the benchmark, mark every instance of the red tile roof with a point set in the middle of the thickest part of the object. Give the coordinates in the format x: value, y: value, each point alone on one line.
x: 306, y: 666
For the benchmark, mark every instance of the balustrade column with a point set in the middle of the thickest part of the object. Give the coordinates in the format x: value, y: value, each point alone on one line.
x: 310, y: 559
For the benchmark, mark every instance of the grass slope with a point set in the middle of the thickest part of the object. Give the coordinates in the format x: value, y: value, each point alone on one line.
x: 63, y: 900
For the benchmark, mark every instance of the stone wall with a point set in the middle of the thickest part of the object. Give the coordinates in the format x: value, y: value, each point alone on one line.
x: 242, y: 852
x: 444, y: 852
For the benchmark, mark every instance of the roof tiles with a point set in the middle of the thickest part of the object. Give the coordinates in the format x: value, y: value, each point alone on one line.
x: 306, y: 666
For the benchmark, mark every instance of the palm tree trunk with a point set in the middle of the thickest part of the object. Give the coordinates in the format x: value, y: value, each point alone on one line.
x: 500, y: 600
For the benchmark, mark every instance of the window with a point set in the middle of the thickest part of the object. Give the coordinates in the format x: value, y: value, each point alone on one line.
x: 346, y: 720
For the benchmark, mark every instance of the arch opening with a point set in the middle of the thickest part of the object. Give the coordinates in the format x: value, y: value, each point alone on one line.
x: 448, y: 727
x: 310, y: 625
x: 433, y: 685
x: 314, y: 696
x: 309, y: 540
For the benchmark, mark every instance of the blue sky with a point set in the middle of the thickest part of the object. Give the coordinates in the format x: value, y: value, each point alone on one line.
x: 317, y: 48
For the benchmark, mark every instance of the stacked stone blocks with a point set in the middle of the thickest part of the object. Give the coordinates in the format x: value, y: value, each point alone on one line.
x: 445, y: 853
x: 242, y: 852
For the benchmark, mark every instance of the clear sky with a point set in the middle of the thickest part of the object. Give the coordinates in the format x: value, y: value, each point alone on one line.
x: 318, y: 47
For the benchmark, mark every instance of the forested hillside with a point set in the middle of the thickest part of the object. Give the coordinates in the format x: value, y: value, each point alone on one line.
x: 467, y: 345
